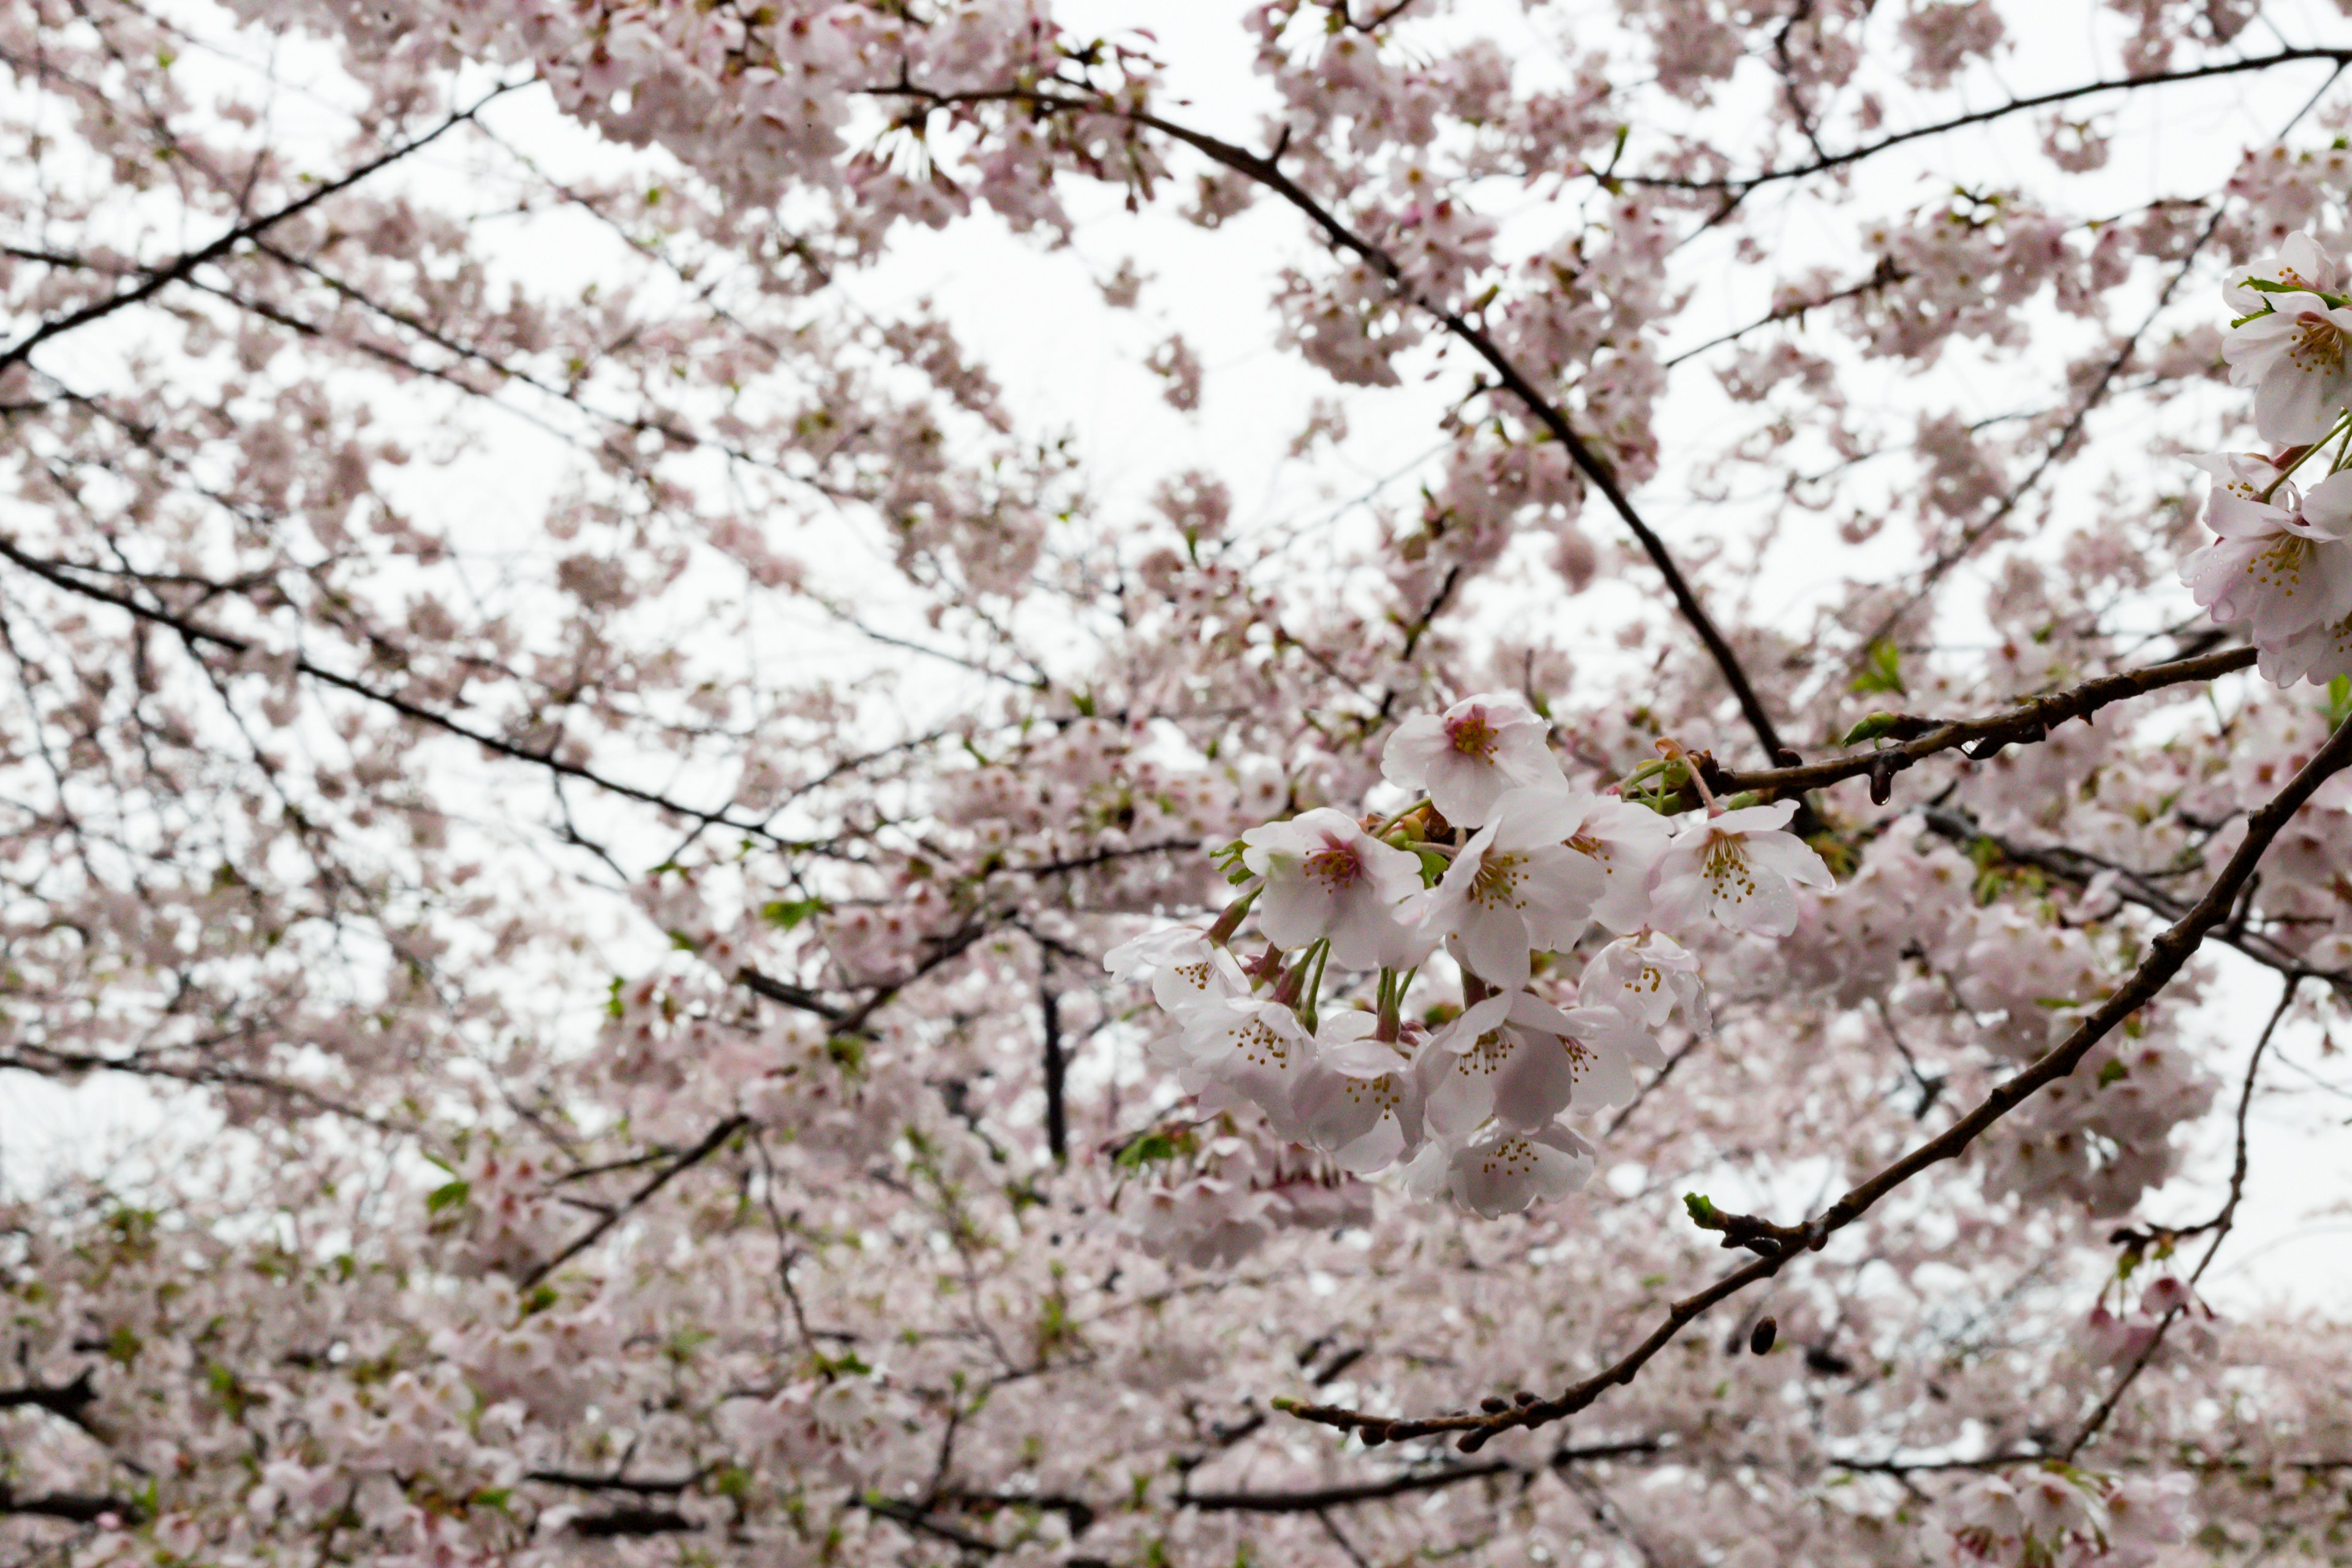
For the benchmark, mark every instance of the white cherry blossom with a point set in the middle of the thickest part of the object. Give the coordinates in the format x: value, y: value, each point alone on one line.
x: 1326, y: 877
x: 2291, y: 347
x: 1364, y: 1105
x: 1188, y: 972
x: 1521, y: 1060
x: 2318, y: 654
x: 1740, y: 869
x: 1516, y: 887
x: 2280, y: 565
x: 1503, y: 1169
x: 1465, y: 758
x: 2300, y: 265
x: 1256, y: 1049
x: 1646, y: 976
x: 1625, y: 841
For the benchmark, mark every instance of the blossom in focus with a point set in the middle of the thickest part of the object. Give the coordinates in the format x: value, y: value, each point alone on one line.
x: 1258, y: 1050
x: 1625, y: 841
x: 2279, y: 565
x: 1364, y: 1104
x: 2291, y: 347
x: 1516, y: 887
x: 1521, y: 1060
x: 2300, y: 265
x: 1646, y: 976
x: 1187, y: 971
x: 1326, y: 877
x: 1503, y: 1171
x: 1739, y: 867
x: 1465, y: 758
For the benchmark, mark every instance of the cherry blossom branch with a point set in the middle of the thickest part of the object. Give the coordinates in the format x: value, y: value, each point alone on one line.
x: 162, y: 277
x: 1265, y: 172
x: 75, y: 1507
x: 2052, y: 451
x: 1885, y: 275
x: 1977, y: 533
x: 1412, y: 1481
x: 2219, y: 1225
x: 1742, y: 187
x: 2170, y: 951
x: 2030, y: 720
x: 712, y: 1144
x: 2134, y: 888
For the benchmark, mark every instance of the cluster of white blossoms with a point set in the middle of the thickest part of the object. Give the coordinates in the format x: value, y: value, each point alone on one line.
x: 2056, y: 1516
x: 1498, y: 866
x: 2281, y: 567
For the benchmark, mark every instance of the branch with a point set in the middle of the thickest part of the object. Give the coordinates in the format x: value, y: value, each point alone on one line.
x: 2219, y: 1225
x: 1311, y: 1500
x: 2134, y: 888
x: 77, y: 1508
x: 2030, y: 720
x: 165, y: 277
x: 1823, y: 165
x: 712, y: 1144
x: 67, y: 1401
x: 1265, y: 171
x: 59, y: 574
x: 2170, y: 951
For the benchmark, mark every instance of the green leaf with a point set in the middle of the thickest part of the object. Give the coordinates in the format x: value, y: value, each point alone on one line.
x: 1872, y: 726
x: 1704, y: 1214
x: 2111, y: 1072
x: 786, y: 913
x: 449, y: 1195
x: 2339, y: 701
x: 1882, y: 671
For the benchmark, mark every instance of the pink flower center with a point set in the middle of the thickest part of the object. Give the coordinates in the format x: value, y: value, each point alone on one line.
x: 1336, y: 864
x: 1473, y: 736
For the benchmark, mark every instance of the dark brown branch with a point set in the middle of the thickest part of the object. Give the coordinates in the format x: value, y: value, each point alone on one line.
x: 163, y: 277
x: 1823, y: 165
x: 2136, y: 888
x: 61, y: 575
x: 2168, y: 952
x: 66, y: 1400
x: 75, y: 1507
x: 2219, y: 1224
x: 1598, y: 474
x: 1057, y: 1072
x: 712, y: 1144
x: 1885, y: 273
x: 627, y: 1522
x: 2031, y: 720
x: 1310, y: 1500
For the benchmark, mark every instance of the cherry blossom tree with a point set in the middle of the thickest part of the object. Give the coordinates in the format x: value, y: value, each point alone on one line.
x: 754, y: 960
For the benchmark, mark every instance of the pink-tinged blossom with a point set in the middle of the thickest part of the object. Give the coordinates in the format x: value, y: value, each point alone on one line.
x: 1646, y: 976
x: 2300, y: 266
x: 1521, y: 1060
x: 1502, y: 1170
x: 1326, y: 877
x: 2291, y: 349
x: 2318, y: 654
x: 1465, y: 758
x: 1625, y: 841
x: 2280, y: 565
x: 1258, y: 1050
x: 1517, y: 887
x: 1364, y: 1105
x: 1187, y: 971
x: 1739, y: 869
